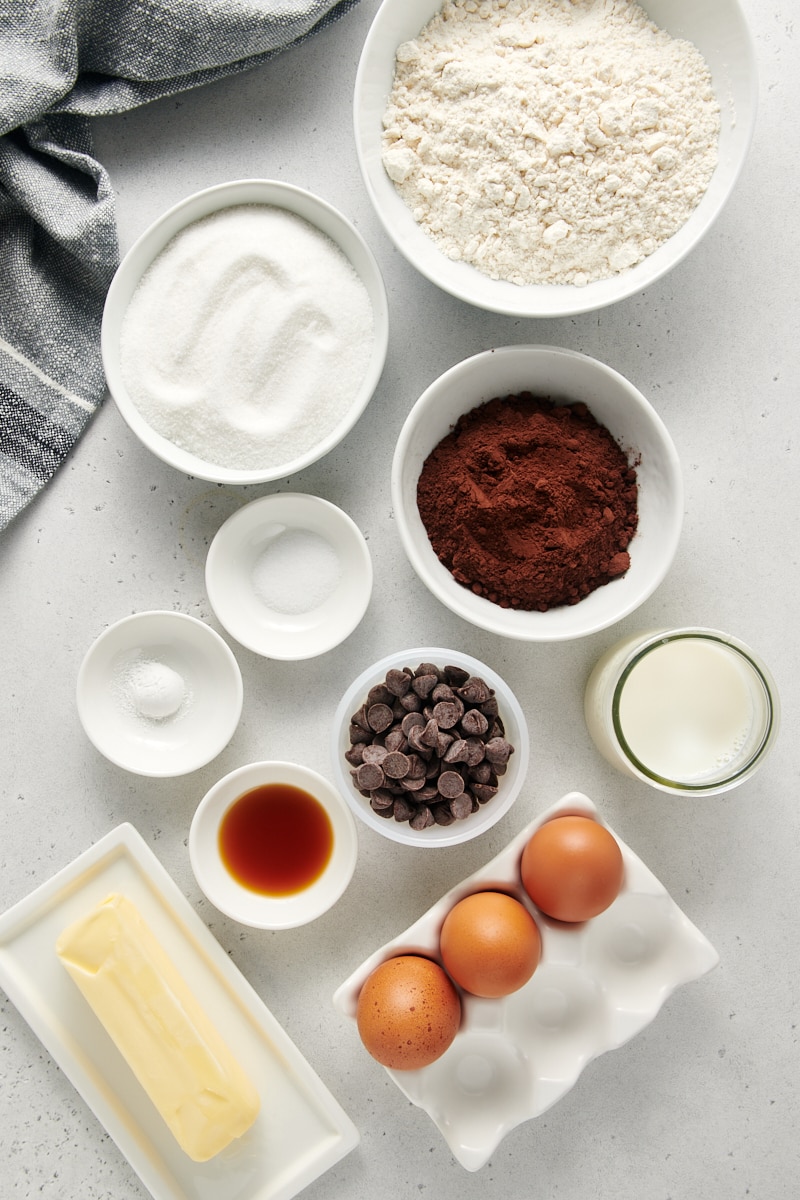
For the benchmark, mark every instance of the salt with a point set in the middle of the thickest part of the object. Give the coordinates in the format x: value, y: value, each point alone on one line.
x: 248, y: 338
x: 297, y: 572
x: 151, y: 689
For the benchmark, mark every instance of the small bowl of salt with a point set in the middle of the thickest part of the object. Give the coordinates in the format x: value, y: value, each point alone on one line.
x: 289, y: 575
x: 159, y: 693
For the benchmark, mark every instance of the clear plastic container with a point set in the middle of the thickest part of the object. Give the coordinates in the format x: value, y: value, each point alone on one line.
x: 688, y: 711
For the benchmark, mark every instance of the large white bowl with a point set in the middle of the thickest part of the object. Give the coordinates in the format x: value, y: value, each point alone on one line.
x: 516, y: 732
x: 565, y: 376
x: 718, y: 29
x: 141, y: 256
x: 254, y: 908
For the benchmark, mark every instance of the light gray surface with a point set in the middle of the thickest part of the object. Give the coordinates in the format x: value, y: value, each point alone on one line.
x: 703, y: 1103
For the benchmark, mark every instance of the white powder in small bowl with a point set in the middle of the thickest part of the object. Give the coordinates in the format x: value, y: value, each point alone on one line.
x: 247, y: 340
x: 297, y: 572
x: 152, y: 690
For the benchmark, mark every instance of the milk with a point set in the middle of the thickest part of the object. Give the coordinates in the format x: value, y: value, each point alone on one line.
x: 686, y: 710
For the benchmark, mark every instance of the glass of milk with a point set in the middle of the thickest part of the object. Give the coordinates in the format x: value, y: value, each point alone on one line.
x: 688, y: 711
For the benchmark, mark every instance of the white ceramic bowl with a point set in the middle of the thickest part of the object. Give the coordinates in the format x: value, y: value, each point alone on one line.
x: 598, y: 984
x: 510, y: 784
x: 250, y: 907
x: 146, y: 249
x: 716, y: 27
x: 134, y: 669
x: 564, y: 375
x: 289, y: 575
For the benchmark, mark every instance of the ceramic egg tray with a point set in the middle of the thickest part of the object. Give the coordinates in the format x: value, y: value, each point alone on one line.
x: 597, y: 984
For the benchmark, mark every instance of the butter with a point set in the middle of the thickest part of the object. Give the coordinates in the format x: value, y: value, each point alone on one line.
x: 161, y: 1030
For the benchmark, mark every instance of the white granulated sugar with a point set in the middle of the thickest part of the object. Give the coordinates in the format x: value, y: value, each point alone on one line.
x: 550, y: 141
x: 248, y: 339
x: 297, y: 572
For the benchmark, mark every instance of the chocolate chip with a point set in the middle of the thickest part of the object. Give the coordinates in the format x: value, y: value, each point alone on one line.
x: 474, y: 723
x: 360, y: 719
x: 395, y: 740
x: 398, y: 682
x: 450, y: 784
x: 410, y: 720
x: 355, y: 754
x: 483, y: 792
x: 381, y: 798
x: 482, y: 772
x: 379, y: 694
x: 457, y: 751
x: 409, y: 784
x: 380, y: 717
x: 357, y: 734
x: 403, y: 809
x: 422, y: 818
x: 461, y: 806
x: 456, y: 675
x: 410, y: 702
x: 415, y: 740
x: 370, y: 776
x: 395, y: 765
x: 429, y: 669
x: 498, y: 750
x: 430, y: 734
x: 442, y: 814
x: 442, y: 691
x: 474, y: 691
x: 423, y: 685
x: 417, y: 767
x: 447, y: 713
x: 373, y: 753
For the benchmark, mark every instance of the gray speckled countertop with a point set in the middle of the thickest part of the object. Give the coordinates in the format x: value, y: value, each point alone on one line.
x: 703, y: 1103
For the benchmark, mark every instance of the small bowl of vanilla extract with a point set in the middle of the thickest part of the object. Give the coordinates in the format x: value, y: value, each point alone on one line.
x: 273, y: 845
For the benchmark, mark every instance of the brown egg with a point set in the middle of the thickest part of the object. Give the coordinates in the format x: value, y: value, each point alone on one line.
x: 490, y: 944
x: 572, y: 868
x: 408, y: 1012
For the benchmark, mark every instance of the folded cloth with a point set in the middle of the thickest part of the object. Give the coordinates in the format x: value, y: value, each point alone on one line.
x: 63, y: 62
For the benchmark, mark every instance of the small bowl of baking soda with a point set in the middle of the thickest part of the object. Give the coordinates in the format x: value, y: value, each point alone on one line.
x: 159, y: 693
x: 245, y: 331
x: 542, y: 160
x: 289, y: 575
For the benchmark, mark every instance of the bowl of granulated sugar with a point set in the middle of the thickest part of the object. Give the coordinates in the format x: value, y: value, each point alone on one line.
x: 542, y: 160
x: 245, y: 331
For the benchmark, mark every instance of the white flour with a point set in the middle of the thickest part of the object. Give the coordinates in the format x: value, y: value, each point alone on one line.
x: 550, y: 141
x: 248, y: 338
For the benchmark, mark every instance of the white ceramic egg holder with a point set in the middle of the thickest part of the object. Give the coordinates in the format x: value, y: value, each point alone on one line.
x: 597, y: 984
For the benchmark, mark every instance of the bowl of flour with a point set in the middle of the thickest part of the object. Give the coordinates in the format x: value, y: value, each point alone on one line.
x: 548, y: 159
x: 245, y: 331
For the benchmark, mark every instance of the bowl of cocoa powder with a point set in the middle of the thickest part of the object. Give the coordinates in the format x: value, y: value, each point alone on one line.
x: 542, y: 160
x: 537, y: 493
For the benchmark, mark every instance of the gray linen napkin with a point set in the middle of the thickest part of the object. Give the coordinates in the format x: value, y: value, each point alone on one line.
x: 61, y: 63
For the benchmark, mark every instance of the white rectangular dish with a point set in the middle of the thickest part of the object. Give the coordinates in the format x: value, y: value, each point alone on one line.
x: 301, y: 1130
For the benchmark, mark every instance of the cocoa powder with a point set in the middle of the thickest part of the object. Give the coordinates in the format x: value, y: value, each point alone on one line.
x: 529, y: 503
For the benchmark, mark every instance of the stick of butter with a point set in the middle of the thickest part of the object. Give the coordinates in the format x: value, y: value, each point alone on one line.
x: 161, y: 1030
